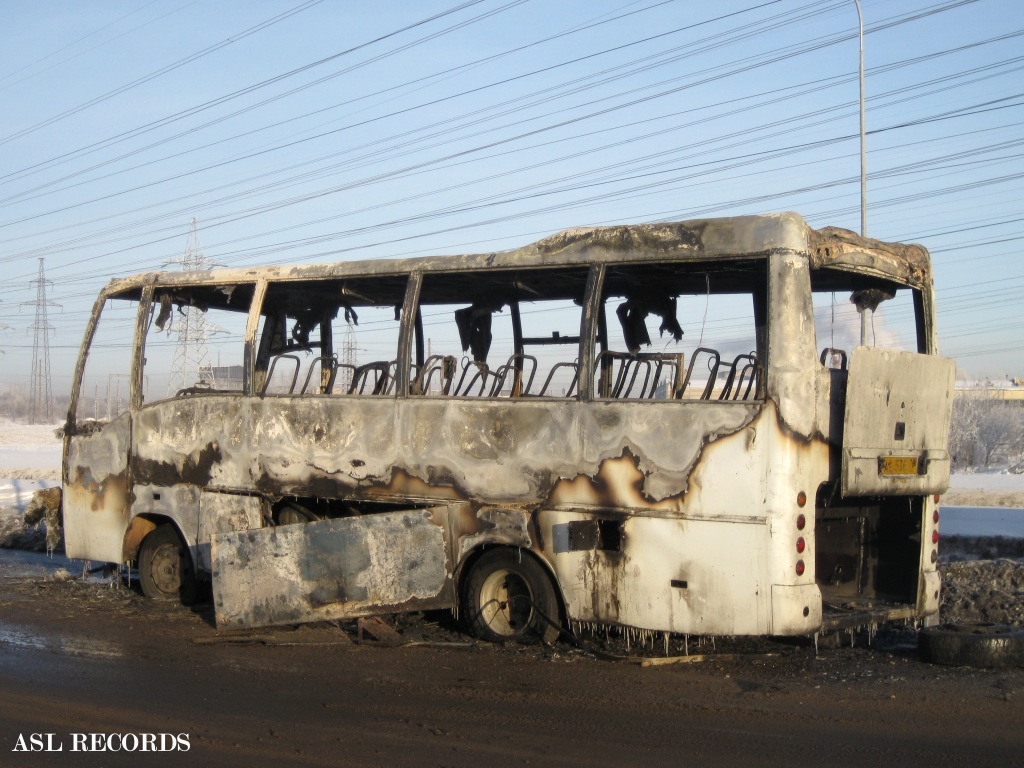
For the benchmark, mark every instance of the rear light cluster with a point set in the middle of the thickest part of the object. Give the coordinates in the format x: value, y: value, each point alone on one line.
x: 935, y: 531
x: 801, y: 543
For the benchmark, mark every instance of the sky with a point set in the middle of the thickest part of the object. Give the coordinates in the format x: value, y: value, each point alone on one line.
x: 317, y: 131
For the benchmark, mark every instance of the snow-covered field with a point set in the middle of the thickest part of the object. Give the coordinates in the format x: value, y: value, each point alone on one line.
x: 29, y: 450
x: 987, y: 480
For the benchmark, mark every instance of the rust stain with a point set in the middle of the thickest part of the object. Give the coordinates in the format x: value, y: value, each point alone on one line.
x: 138, y: 529
x: 101, y: 492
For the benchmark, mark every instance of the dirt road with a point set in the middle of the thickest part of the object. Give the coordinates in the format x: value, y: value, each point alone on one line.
x: 86, y: 658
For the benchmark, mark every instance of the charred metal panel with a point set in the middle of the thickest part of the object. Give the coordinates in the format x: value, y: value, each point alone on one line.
x: 179, y: 503
x: 332, y: 569
x: 224, y: 513
x: 582, y: 535
x: 191, y: 440
x: 896, y: 427
x: 676, y: 567
x: 791, y: 343
x: 655, y: 470
x: 668, y: 575
x: 835, y: 247
x: 700, y: 238
x: 493, y: 452
x: 474, y: 527
x: 96, y: 492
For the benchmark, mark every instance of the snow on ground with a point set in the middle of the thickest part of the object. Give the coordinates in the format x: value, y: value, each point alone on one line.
x: 15, y: 493
x: 987, y: 480
x: 29, y: 451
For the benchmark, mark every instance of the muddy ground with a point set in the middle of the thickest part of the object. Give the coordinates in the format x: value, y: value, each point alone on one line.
x: 87, y: 656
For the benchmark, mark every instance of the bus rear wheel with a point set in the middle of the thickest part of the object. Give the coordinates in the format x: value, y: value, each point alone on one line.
x: 165, y: 567
x: 509, y: 597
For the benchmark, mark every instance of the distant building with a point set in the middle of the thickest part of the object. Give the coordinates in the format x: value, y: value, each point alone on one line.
x: 223, y: 377
x: 1011, y: 389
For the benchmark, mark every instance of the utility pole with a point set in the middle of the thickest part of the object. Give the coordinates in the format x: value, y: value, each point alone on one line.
x: 40, y: 398
x: 863, y: 166
x: 863, y: 153
x: 191, y: 356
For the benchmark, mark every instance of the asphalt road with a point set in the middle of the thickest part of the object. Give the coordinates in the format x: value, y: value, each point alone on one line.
x: 77, y: 658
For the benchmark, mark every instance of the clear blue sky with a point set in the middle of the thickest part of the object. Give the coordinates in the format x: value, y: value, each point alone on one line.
x: 326, y: 130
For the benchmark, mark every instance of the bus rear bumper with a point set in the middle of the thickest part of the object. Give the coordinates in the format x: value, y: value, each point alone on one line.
x: 796, y: 609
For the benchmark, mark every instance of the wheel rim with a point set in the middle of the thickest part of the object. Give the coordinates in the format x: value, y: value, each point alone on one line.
x: 506, y: 603
x: 166, y: 569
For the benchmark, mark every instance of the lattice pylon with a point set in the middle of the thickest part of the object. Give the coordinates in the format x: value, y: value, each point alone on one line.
x: 191, y: 355
x: 40, y: 396
x: 348, y: 358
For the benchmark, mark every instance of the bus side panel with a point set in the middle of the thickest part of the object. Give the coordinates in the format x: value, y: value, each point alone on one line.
x: 332, y: 569
x: 96, y: 492
x: 661, y: 574
x: 718, y: 556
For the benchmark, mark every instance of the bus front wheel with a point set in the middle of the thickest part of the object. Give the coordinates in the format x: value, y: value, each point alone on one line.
x: 509, y: 598
x: 165, y: 567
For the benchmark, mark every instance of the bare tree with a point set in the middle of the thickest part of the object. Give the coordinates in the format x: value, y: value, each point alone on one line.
x: 1001, y: 432
x: 963, y: 429
x: 984, y: 432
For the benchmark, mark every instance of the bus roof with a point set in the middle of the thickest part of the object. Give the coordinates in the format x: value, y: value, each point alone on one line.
x: 698, y: 239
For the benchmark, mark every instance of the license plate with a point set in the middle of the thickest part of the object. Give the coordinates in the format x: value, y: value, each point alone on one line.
x: 897, y: 465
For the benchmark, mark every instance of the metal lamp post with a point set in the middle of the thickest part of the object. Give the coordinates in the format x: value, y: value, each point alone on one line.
x: 863, y: 165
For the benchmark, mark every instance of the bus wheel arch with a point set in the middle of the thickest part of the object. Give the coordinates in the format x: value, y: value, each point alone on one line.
x: 165, y: 567
x: 507, y: 594
x: 138, y: 529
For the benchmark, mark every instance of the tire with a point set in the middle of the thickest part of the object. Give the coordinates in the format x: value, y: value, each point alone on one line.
x: 972, y: 645
x: 508, y: 597
x: 166, y: 572
x: 294, y: 514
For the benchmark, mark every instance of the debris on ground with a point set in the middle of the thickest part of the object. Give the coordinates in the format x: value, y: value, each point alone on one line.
x: 40, y: 528
x: 983, y: 591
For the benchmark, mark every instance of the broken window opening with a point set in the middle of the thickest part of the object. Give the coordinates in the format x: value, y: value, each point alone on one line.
x: 651, y: 306
x: 106, y: 386
x: 330, y: 337
x: 518, y: 335
x: 893, y: 320
x: 291, y: 510
x: 195, y: 341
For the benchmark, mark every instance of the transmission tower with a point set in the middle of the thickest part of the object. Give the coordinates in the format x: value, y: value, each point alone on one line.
x: 191, y: 356
x: 40, y: 397
x: 348, y: 358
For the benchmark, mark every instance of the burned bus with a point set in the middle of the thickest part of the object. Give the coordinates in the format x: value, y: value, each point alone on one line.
x: 674, y: 427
